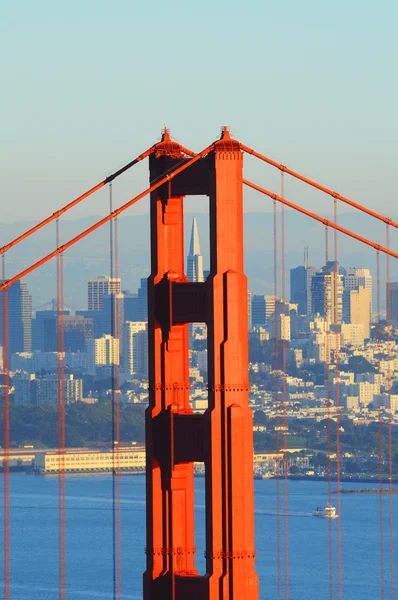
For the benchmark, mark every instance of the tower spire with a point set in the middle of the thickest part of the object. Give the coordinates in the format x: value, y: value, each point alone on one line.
x: 194, y: 258
x: 194, y: 246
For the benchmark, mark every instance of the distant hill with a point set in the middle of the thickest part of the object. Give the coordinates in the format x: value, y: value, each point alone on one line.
x: 90, y: 257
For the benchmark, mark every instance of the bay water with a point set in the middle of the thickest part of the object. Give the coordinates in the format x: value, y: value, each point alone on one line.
x: 34, y: 539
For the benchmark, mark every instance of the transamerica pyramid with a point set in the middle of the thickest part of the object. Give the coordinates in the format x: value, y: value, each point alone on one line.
x: 195, y: 259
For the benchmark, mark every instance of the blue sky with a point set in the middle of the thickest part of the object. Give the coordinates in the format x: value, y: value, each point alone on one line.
x: 89, y: 84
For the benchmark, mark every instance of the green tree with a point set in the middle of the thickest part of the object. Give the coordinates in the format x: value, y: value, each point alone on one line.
x: 259, y: 418
x: 358, y: 364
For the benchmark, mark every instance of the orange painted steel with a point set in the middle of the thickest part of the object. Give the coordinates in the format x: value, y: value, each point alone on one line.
x: 319, y: 187
x: 105, y: 220
x: 316, y: 217
x: 328, y: 388
x: 222, y: 438
x: 380, y: 432
x: 61, y: 427
x: 284, y: 313
x: 79, y: 199
x: 116, y: 424
x: 390, y: 422
x: 277, y: 407
x: 337, y: 404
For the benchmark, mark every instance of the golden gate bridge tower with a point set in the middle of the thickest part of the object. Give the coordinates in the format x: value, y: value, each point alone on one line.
x: 222, y: 437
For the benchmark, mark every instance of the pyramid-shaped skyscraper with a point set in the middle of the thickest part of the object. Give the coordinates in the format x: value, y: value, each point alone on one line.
x: 195, y: 259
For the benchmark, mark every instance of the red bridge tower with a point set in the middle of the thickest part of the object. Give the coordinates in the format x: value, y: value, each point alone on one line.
x: 222, y: 437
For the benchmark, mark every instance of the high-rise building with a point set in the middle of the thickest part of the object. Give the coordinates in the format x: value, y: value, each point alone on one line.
x: 249, y: 311
x: 392, y: 291
x: 19, y: 318
x: 300, y: 288
x: 131, y: 306
x: 279, y: 327
x: 96, y: 318
x: 112, y: 311
x: 135, y: 347
x: 195, y: 259
x: 262, y: 308
x: 77, y: 330
x: 357, y: 308
x: 327, y: 295
x: 356, y: 278
x: 100, y: 286
x: 44, y: 330
x: 142, y: 301
x: 102, y: 352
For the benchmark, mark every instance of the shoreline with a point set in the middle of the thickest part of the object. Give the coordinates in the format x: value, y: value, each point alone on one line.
x: 342, y: 478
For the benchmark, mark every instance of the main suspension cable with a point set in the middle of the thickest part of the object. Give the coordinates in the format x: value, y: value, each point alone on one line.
x: 77, y: 200
x: 319, y: 187
x: 316, y: 217
x: 107, y: 218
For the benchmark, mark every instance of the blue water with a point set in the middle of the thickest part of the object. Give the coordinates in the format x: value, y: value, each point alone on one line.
x: 34, y: 542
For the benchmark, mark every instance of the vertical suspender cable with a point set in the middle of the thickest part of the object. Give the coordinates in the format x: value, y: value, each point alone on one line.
x: 276, y: 351
x: 172, y: 549
x: 117, y: 409
x: 390, y: 431
x: 380, y: 429
x: 284, y: 317
x: 61, y: 425
x: 63, y: 494
x: 174, y: 405
x: 337, y: 321
x: 6, y: 442
x: 113, y: 403
x: 327, y: 292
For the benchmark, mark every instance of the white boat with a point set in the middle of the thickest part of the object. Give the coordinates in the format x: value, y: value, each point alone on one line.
x: 327, y: 512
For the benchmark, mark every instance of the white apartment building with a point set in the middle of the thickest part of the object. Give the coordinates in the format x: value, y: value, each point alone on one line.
x: 352, y: 334
x: 350, y: 402
x: 102, y: 352
x: 99, y: 287
x: 135, y: 347
x: 368, y: 392
x: 282, y: 329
